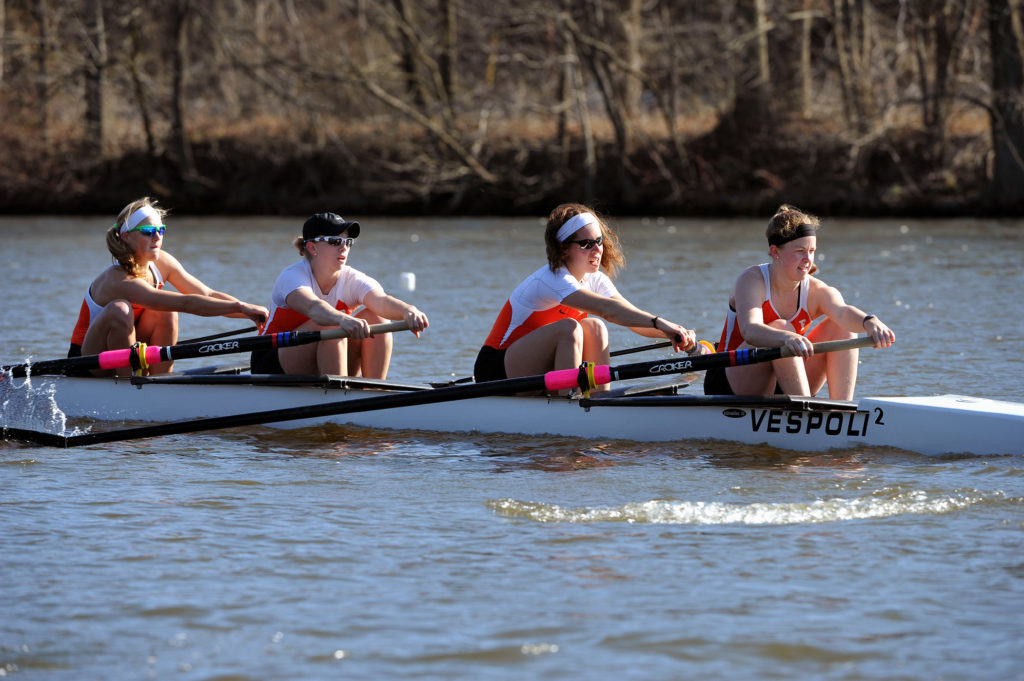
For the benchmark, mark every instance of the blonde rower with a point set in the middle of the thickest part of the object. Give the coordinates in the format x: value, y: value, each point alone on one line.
x: 127, y: 302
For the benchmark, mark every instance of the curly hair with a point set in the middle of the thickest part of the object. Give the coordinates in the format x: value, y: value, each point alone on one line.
x: 612, y: 258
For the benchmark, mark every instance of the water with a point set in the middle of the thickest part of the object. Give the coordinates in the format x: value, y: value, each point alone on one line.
x: 348, y: 553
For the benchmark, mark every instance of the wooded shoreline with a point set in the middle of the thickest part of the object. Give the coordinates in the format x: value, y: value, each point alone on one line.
x: 446, y: 107
x: 259, y: 175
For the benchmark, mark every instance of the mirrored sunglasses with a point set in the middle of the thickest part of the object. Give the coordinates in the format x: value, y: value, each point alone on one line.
x: 337, y: 241
x: 149, y: 230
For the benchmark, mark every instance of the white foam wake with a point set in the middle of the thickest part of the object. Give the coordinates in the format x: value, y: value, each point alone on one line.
x: 883, y: 504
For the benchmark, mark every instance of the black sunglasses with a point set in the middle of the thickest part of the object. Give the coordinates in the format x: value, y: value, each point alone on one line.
x: 587, y: 244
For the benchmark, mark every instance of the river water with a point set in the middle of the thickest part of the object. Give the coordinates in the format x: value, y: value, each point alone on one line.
x: 347, y: 553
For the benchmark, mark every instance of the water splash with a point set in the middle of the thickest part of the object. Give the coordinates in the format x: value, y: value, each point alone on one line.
x: 30, y: 407
x: 881, y: 504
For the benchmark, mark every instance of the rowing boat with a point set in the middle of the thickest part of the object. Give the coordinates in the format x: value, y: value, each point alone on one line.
x: 652, y: 412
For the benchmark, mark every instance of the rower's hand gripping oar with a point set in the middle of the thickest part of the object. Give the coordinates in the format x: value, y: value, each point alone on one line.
x: 553, y: 380
x: 143, y: 355
x: 589, y: 377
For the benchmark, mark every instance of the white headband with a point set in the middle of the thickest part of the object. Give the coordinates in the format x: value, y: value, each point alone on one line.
x: 138, y: 216
x: 576, y: 223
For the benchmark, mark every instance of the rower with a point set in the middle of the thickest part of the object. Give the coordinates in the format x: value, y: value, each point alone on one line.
x: 546, y: 323
x: 128, y: 304
x: 322, y: 291
x: 776, y: 304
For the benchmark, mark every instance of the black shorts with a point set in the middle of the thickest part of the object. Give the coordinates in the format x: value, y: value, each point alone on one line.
x: 716, y: 382
x: 76, y: 351
x: 265, y: 362
x: 490, y: 365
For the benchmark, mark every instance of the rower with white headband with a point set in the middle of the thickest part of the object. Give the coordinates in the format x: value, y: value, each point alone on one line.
x: 554, y: 318
x: 128, y: 302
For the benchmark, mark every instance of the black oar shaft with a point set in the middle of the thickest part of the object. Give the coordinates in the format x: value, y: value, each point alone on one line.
x: 222, y: 334
x: 272, y: 340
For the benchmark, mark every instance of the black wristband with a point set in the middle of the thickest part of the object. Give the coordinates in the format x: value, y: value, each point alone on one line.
x: 654, y: 321
x: 866, y: 318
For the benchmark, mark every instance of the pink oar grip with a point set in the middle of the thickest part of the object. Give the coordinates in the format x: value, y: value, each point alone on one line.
x: 115, y: 359
x: 564, y: 379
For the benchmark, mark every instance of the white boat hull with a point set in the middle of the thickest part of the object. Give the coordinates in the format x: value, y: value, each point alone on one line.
x: 947, y: 424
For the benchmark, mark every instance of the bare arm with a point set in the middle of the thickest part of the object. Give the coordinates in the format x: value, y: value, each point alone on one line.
x: 185, y: 282
x: 139, y: 292
x: 829, y: 301
x: 618, y: 310
x: 319, y: 312
x: 389, y: 307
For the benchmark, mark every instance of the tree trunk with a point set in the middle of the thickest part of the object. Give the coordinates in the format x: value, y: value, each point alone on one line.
x: 750, y: 111
x: 449, y: 49
x: 3, y: 38
x: 565, y: 95
x: 937, y: 29
x: 135, y: 57
x: 95, y: 73
x: 179, y: 58
x: 1006, y: 39
x: 806, y: 78
x: 577, y: 87
x: 602, y: 62
x: 851, y: 24
x: 42, y: 75
x: 633, y: 29
x: 764, y: 75
x: 408, y: 55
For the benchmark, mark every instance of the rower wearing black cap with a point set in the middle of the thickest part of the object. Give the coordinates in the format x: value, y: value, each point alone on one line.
x: 322, y: 291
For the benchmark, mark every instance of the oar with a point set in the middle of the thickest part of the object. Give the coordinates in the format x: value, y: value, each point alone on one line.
x: 151, y: 354
x: 552, y: 380
x: 222, y: 334
x: 641, y: 348
x: 656, y: 346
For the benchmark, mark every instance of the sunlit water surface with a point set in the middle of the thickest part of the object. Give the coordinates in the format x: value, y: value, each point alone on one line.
x: 348, y: 553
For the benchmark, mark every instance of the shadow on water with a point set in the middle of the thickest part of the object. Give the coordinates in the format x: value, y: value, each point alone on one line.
x: 510, y: 453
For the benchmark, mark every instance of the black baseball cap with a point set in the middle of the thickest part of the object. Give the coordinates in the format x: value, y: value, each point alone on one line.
x: 328, y: 224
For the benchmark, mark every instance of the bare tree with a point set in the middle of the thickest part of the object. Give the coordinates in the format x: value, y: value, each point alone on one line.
x: 1006, y: 41
x: 42, y: 16
x: 3, y: 39
x: 133, y: 57
x: 852, y: 26
x: 181, y: 13
x: 937, y: 30
x: 449, y: 50
x: 95, y: 75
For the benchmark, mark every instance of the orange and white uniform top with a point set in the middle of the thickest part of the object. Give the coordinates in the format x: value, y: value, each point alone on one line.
x: 537, y: 302
x: 801, y: 321
x: 91, y: 309
x: 346, y: 295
